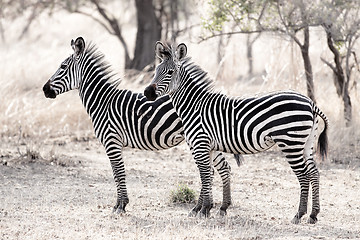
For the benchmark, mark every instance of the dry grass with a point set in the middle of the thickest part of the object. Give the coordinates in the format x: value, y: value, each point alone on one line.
x: 43, y: 201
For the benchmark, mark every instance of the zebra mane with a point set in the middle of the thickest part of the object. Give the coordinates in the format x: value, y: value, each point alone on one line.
x: 92, y: 52
x: 197, y: 74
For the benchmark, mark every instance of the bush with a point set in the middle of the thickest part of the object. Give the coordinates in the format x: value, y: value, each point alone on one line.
x: 183, y: 194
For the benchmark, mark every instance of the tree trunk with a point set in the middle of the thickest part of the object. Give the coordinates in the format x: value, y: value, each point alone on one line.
x: 174, y: 19
x: 249, y: 55
x: 249, y: 52
x: 307, y: 65
x: 148, y: 32
x: 347, y: 107
x: 2, y: 32
x: 342, y: 86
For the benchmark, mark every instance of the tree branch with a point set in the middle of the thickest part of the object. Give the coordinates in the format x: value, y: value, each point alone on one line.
x: 261, y: 15
x: 202, y: 39
x: 356, y: 61
x: 96, y: 20
x: 115, y: 27
x: 329, y: 65
x: 292, y: 36
x: 33, y: 15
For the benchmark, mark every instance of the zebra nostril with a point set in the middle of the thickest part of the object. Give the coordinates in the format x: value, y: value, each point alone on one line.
x: 48, y: 92
x: 150, y: 93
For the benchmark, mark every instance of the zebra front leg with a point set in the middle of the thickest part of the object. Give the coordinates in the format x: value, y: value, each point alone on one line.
x: 202, y: 159
x: 223, y: 168
x: 199, y: 204
x: 197, y: 207
x: 114, y: 151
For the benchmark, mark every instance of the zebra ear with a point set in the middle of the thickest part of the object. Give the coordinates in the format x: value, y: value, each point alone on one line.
x: 159, y: 50
x: 78, y: 45
x: 181, y: 51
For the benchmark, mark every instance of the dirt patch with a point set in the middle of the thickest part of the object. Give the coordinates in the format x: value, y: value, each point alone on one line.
x: 41, y: 200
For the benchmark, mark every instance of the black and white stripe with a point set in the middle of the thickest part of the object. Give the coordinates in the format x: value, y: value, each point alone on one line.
x: 122, y: 118
x: 215, y: 122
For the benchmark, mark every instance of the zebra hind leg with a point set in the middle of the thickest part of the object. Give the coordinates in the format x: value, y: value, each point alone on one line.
x: 302, y: 163
x: 310, y: 176
x: 121, y: 204
x: 314, y: 180
x: 295, y: 157
x: 304, y: 194
x: 223, y: 168
x: 312, y: 173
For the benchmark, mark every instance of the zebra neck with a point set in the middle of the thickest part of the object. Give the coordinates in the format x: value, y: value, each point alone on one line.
x: 96, y: 94
x: 189, y: 97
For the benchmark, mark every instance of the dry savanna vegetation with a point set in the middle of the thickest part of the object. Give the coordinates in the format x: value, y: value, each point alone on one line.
x: 56, y: 180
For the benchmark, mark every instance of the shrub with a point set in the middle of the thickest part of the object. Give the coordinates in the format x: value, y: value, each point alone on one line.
x: 183, y: 194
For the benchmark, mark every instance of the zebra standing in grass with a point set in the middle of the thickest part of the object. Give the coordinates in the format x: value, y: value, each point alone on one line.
x: 215, y: 122
x: 122, y: 118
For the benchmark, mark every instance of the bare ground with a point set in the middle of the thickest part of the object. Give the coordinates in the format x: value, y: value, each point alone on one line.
x: 71, y: 196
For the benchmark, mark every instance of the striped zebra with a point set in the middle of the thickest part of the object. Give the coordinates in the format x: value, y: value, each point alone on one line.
x: 122, y: 118
x: 215, y: 122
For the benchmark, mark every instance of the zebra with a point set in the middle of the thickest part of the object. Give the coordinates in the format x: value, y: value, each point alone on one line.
x: 214, y: 122
x: 122, y: 118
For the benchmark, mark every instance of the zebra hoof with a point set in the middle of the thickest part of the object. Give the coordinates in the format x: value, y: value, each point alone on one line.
x: 296, y: 220
x: 192, y: 213
x: 312, y: 220
x: 119, y: 211
x: 120, y: 206
x: 204, y: 213
x: 222, y: 213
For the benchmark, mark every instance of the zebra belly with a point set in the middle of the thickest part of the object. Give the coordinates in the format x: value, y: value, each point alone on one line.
x: 237, y: 146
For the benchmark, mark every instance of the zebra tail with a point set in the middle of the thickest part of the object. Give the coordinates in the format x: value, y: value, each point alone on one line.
x: 239, y: 159
x: 322, y: 146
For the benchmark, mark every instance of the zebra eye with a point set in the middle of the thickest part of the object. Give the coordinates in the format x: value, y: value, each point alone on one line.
x: 171, y: 71
x: 63, y: 66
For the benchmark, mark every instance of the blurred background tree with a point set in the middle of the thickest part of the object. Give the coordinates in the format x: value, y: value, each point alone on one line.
x: 169, y: 19
x: 158, y: 19
x: 341, y: 22
x: 294, y: 18
x: 290, y: 18
x: 279, y: 45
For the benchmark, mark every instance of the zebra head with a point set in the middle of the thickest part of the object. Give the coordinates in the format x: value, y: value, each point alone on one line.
x: 66, y: 77
x: 165, y: 80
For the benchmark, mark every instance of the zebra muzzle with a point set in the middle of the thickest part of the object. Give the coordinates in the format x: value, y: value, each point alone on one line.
x: 150, y: 93
x: 48, y: 91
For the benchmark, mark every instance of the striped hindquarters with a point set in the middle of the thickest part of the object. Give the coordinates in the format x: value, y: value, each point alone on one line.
x: 253, y: 125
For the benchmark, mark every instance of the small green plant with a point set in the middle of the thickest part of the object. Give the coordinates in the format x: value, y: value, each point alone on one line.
x: 183, y: 194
